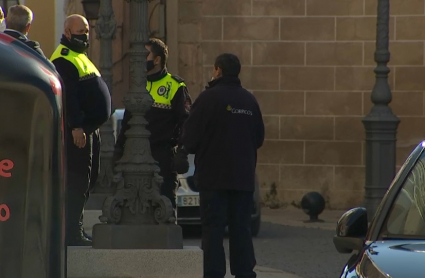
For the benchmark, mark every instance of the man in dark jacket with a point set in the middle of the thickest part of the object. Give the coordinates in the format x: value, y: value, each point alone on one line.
x: 18, y: 23
x: 224, y: 130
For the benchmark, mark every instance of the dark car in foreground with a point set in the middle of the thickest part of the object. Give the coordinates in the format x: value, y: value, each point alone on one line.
x: 393, y: 246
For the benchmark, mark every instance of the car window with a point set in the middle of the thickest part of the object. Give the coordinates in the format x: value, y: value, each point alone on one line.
x: 406, y: 217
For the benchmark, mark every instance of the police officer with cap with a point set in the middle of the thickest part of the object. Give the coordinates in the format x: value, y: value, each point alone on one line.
x: 166, y: 117
x: 88, y: 106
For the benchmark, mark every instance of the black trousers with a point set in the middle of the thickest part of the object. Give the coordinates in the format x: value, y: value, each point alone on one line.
x: 79, y: 164
x: 234, y: 208
x: 164, y: 155
x: 95, y: 169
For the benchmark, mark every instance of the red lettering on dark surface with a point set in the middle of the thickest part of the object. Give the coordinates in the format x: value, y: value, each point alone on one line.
x: 5, y: 166
x: 4, y: 213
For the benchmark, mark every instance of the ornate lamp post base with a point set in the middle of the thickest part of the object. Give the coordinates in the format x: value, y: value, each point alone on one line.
x: 137, y: 216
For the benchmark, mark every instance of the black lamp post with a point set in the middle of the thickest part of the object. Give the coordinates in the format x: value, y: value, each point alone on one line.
x: 137, y: 216
x: 106, y: 26
x: 91, y: 9
x: 381, y: 123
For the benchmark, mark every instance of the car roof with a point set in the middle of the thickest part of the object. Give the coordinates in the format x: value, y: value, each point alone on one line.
x: 22, y: 65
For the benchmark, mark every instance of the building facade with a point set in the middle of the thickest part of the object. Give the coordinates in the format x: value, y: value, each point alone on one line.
x: 310, y: 65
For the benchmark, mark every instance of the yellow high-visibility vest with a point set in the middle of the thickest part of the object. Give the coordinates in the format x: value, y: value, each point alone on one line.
x: 86, y: 69
x: 163, y: 91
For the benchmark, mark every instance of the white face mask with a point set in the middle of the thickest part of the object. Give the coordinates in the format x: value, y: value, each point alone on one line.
x: 3, y: 25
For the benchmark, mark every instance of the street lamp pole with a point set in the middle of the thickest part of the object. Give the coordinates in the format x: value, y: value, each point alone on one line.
x: 381, y: 123
x: 105, y: 30
x: 137, y: 216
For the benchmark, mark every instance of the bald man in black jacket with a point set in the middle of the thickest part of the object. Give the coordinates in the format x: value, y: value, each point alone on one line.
x: 88, y: 106
x: 224, y: 130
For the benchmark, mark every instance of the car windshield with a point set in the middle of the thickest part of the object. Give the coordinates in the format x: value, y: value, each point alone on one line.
x: 406, y: 218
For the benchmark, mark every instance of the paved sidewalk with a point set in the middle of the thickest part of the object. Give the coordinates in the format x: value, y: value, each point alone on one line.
x: 91, y: 217
x: 289, y: 216
x: 264, y: 272
x: 292, y: 216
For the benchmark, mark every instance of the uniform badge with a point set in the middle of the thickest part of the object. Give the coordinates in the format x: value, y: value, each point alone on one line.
x: 161, y: 90
x: 64, y: 51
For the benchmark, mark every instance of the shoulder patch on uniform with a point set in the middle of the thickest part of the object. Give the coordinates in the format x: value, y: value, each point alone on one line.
x: 64, y: 51
x: 177, y: 78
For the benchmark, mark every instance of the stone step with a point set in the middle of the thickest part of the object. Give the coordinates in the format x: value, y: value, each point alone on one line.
x: 86, y: 262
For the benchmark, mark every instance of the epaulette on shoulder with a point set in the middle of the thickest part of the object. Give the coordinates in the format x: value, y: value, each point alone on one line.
x: 64, y: 51
x: 177, y: 78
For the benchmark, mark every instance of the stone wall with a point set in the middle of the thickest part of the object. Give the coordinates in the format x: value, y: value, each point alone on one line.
x: 310, y: 65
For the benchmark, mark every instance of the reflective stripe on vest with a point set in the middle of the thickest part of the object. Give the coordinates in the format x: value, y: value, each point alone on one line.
x: 86, y: 69
x: 163, y: 91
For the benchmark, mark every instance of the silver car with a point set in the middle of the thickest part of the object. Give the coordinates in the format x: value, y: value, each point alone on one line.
x: 187, y: 197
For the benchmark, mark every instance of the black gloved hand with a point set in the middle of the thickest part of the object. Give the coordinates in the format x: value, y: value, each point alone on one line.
x: 181, y: 161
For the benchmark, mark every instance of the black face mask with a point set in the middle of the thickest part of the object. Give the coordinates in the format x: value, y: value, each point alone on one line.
x: 149, y: 65
x: 80, y: 40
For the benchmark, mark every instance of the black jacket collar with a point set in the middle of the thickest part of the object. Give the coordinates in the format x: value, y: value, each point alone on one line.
x: 158, y: 75
x: 75, y: 48
x: 225, y: 80
x: 16, y: 34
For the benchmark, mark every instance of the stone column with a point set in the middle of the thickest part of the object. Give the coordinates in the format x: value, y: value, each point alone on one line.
x: 381, y: 123
x: 137, y: 217
x: 105, y: 31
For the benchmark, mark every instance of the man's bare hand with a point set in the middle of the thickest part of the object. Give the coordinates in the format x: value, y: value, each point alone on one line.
x: 79, y: 137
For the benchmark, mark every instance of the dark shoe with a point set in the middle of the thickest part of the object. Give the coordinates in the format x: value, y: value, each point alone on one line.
x: 80, y: 241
